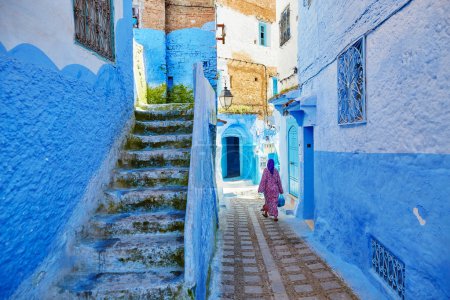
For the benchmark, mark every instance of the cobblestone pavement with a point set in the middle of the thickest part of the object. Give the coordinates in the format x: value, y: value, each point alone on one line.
x: 263, y: 259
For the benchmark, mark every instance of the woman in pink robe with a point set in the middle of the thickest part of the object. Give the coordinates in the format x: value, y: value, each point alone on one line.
x: 270, y: 185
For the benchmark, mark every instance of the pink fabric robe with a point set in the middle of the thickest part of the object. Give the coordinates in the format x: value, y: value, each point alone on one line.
x: 270, y: 185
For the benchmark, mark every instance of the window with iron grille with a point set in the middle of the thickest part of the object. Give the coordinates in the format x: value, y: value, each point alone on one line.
x: 351, y: 84
x: 285, y: 26
x: 94, y: 27
x: 388, y: 267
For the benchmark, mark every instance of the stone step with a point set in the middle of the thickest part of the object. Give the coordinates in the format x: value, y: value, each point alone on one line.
x: 154, y: 284
x: 144, y: 199
x: 140, y: 142
x: 155, y: 158
x: 185, y: 113
x: 163, y: 127
x: 113, y: 225
x: 138, y: 252
x: 150, y: 177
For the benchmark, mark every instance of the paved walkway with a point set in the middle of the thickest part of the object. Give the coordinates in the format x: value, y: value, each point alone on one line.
x: 262, y: 259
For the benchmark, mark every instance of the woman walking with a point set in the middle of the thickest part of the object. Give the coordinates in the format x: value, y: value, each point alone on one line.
x: 270, y: 185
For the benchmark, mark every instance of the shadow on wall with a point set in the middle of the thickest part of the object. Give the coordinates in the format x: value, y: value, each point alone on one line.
x: 237, y: 157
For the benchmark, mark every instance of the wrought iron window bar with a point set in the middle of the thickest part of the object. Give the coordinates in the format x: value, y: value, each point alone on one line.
x: 285, y: 26
x: 352, y: 84
x: 388, y: 267
x: 94, y: 27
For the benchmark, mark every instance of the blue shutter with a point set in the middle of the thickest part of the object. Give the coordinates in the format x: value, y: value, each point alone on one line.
x: 275, y: 85
x: 262, y: 34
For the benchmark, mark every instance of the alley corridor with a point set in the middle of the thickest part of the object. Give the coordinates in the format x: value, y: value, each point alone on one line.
x: 262, y: 259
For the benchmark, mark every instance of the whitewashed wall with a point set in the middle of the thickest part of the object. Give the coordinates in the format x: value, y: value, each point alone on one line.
x: 407, y: 77
x: 287, y: 54
x: 23, y: 23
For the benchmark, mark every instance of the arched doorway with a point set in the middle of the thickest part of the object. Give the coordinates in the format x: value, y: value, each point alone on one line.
x: 293, y: 166
x: 232, y: 156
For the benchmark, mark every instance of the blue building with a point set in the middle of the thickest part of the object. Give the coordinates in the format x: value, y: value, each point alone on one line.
x: 370, y: 119
x: 66, y: 99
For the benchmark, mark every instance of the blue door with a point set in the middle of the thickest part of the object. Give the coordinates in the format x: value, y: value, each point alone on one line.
x: 293, y: 160
x: 308, y: 148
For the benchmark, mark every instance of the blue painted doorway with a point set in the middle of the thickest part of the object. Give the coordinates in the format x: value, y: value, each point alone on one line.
x: 308, y: 150
x: 233, y: 157
x: 293, y: 160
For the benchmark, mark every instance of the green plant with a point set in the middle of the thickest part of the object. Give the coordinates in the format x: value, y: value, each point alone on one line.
x: 157, y: 95
x: 180, y: 94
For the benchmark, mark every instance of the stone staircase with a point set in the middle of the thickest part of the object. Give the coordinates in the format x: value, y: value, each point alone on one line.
x: 133, y: 247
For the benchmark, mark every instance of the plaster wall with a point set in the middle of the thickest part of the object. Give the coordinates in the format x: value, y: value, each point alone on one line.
x: 58, y: 128
x: 385, y: 178
x: 287, y: 53
x: 50, y: 28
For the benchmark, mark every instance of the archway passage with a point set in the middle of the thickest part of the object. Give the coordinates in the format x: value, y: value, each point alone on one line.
x: 233, y: 157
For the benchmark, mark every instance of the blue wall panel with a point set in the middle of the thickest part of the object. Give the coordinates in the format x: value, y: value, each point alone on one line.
x: 358, y: 195
x: 154, y: 42
x: 56, y: 129
x: 188, y: 46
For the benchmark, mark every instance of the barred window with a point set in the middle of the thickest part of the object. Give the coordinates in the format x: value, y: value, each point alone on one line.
x: 94, y: 27
x: 351, y: 84
x: 285, y: 26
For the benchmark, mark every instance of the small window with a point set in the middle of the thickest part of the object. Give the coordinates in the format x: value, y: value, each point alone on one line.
x: 263, y: 34
x: 351, y: 84
x: 94, y: 27
x: 285, y: 26
x: 275, y: 85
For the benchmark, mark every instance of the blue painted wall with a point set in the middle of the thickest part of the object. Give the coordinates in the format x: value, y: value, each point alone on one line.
x: 370, y: 178
x: 57, y: 127
x: 154, y: 42
x: 368, y: 197
x: 188, y: 46
x: 174, y: 54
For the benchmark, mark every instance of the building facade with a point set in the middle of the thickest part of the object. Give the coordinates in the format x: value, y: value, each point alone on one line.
x: 170, y: 36
x: 373, y: 138
x: 247, y: 57
x: 67, y: 95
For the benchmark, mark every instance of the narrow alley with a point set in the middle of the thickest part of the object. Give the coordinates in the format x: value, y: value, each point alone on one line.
x: 263, y: 259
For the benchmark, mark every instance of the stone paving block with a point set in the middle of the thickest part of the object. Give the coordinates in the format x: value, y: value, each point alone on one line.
x: 296, y: 277
x: 228, y: 289
x: 250, y: 269
x: 288, y: 260
x: 252, y: 278
x: 253, y: 289
x: 246, y: 242
x: 309, y: 258
x: 292, y: 269
x: 228, y: 253
x: 310, y: 298
x: 249, y: 260
x: 228, y: 260
x: 248, y: 254
x: 247, y: 247
x: 243, y: 233
x: 227, y: 268
x: 227, y: 277
x: 322, y: 274
x: 243, y: 238
x: 281, y: 247
x: 303, y: 288
x: 330, y: 285
x: 339, y: 296
x: 316, y: 266
x: 228, y: 247
x: 304, y: 251
x: 284, y: 253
